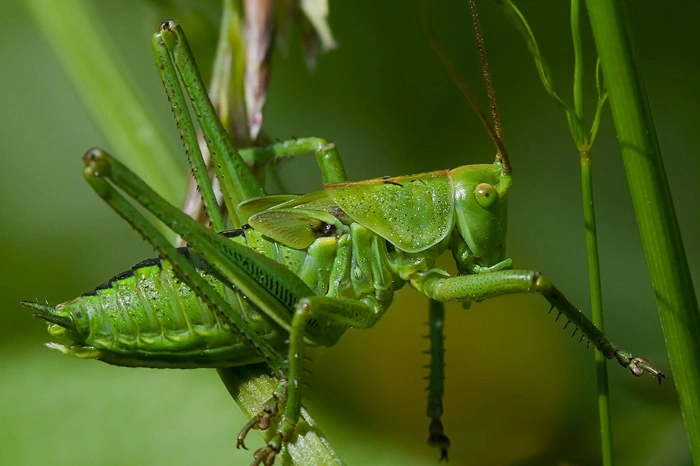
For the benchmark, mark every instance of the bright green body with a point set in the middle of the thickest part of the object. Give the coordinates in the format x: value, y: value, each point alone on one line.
x: 300, y: 270
x: 155, y: 321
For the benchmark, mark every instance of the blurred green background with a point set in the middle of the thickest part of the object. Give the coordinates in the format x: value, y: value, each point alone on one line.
x: 519, y: 391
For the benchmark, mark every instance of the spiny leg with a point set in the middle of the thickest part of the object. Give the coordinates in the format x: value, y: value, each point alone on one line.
x: 171, y: 45
x: 174, y: 58
x: 188, y: 134
x: 100, y: 167
x: 345, y: 312
x: 274, y: 289
x: 489, y: 285
x: 169, y: 60
x: 270, y: 286
x: 436, y: 378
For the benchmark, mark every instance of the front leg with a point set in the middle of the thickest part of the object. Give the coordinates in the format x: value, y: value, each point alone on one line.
x: 435, y: 285
x: 327, y: 156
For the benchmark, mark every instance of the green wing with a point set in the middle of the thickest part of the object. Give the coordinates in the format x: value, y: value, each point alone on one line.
x: 259, y: 204
x: 412, y: 212
x: 296, y: 228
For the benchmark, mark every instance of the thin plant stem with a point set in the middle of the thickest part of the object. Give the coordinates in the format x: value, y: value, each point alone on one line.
x: 578, y: 58
x: 596, y: 306
x: 584, y: 141
x: 591, y: 234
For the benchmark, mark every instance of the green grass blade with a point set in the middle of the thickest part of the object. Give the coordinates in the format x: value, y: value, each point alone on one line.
x: 113, y: 101
x: 653, y: 206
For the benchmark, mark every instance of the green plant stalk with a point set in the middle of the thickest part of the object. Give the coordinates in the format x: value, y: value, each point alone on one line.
x: 653, y: 206
x: 105, y: 90
x: 591, y: 233
x: 596, y: 306
x: 578, y: 58
x: 583, y: 140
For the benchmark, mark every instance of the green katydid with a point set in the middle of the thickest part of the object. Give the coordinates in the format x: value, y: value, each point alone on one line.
x: 296, y: 270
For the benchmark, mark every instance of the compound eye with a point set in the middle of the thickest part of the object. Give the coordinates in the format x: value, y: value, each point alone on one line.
x: 486, y: 195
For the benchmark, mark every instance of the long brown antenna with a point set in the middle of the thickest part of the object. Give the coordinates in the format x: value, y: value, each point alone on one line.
x: 489, y: 85
x: 493, y: 125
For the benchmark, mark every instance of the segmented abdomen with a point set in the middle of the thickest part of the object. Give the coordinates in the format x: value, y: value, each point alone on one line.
x: 146, y: 317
